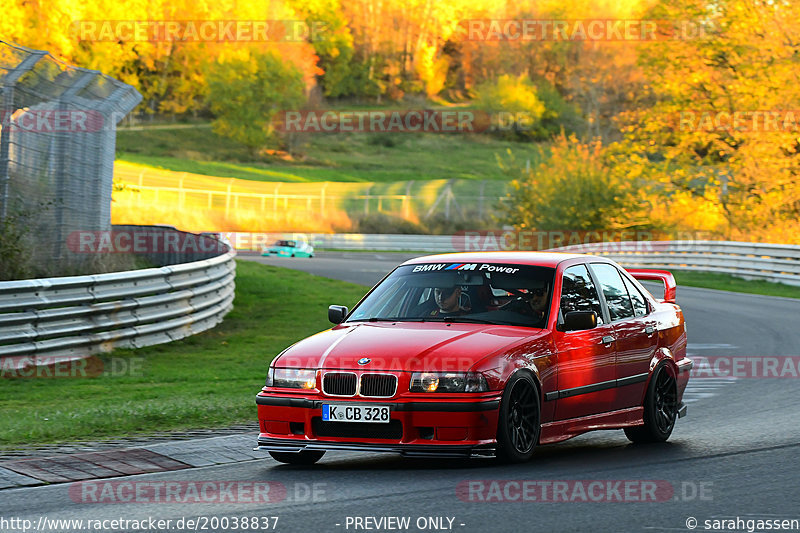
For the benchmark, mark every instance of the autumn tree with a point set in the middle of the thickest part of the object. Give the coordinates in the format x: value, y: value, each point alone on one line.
x: 332, y: 40
x: 744, y: 63
x: 572, y: 186
x: 247, y: 90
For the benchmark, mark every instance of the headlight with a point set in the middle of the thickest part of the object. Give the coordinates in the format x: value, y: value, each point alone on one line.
x: 292, y: 378
x: 447, y: 382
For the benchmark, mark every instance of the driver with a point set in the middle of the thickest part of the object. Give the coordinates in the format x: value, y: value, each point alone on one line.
x: 449, y: 301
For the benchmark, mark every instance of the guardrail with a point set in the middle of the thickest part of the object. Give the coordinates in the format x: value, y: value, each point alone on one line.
x: 771, y: 262
x: 78, y: 316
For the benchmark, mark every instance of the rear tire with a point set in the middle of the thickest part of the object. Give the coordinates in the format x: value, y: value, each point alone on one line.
x: 306, y: 457
x: 519, y: 423
x: 660, y: 408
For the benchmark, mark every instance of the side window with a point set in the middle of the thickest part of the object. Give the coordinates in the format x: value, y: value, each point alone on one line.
x: 639, y: 303
x: 578, y: 292
x: 619, y: 303
x: 425, y: 295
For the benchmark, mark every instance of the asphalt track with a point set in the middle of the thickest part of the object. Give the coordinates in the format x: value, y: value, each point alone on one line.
x: 735, y: 455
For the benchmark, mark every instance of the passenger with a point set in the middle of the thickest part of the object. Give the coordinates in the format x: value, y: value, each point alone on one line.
x: 538, y: 301
x: 532, y: 303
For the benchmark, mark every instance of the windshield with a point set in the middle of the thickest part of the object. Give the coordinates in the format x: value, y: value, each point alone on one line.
x: 490, y: 293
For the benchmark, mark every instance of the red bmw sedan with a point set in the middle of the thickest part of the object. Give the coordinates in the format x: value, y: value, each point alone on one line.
x: 482, y: 354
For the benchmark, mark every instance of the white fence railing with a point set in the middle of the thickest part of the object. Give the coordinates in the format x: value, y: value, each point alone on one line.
x: 77, y: 316
x: 372, y: 241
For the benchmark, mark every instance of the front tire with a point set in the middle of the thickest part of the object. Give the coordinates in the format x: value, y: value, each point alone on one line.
x: 660, y: 408
x: 305, y: 457
x: 519, y: 423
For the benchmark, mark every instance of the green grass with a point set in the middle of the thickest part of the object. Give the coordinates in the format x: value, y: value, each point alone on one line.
x: 726, y: 282
x: 348, y: 157
x: 208, y: 380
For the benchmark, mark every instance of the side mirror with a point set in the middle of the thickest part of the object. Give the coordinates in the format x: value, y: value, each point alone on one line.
x: 579, y: 320
x: 336, y: 313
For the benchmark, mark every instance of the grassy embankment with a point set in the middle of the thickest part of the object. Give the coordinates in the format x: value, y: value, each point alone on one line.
x: 358, y: 174
x: 726, y: 282
x: 208, y: 380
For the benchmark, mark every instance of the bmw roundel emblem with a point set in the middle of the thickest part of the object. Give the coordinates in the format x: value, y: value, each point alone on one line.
x: 364, y: 360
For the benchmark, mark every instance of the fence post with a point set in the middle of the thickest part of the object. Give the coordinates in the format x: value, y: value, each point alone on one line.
x: 480, y: 200
x: 228, y: 198
x: 180, y: 190
x: 8, y: 83
x: 139, y: 196
x: 407, y: 200
x: 275, y: 199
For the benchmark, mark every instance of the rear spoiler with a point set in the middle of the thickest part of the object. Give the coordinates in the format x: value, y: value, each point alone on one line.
x: 670, y: 287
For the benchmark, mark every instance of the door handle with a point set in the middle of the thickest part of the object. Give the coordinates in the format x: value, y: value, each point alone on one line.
x: 608, y: 339
x: 649, y: 330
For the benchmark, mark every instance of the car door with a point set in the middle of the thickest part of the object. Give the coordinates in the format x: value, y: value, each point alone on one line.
x: 634, y: 331
x: 586, y: 374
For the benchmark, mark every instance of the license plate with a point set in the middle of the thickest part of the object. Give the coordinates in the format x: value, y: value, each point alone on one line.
x: 356, y: 413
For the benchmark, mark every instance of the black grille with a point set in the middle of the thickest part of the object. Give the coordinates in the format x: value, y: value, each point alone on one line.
x: 358, y: 430
x: 378, y: 385
x: 339, y: 383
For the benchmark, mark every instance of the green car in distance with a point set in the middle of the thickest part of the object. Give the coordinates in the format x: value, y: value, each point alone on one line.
x: 296, y: 248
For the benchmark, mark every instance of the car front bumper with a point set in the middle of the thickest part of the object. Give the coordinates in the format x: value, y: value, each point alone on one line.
x: 406, y: 450
x: 440, y: 428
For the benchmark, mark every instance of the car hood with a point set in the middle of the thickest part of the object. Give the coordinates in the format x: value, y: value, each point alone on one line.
x: 408, y: 346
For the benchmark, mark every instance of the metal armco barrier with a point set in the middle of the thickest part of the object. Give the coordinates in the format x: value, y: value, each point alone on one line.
x: 348, y: 241
x: 771, y: 262
x: 77, y: 316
